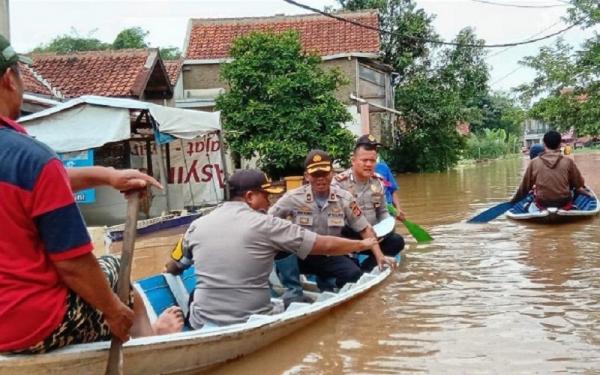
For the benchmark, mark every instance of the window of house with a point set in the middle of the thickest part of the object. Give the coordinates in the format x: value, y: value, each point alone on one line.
x: 371, y: 75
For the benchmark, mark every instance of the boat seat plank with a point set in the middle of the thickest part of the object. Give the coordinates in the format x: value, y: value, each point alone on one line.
x: 158, y: 293
x: 179, y: 291
x: 188, y: 277
x: 325, y: 296
x: 297, y: 306
x: 365, y: 278
x: 258, y: 317
x: 346, y: 287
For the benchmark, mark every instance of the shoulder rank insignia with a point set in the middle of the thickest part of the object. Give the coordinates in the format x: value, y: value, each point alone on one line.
x: 376, y: 187
x: 341, y: 176
x: 309, y: 197
x: 356, y: 211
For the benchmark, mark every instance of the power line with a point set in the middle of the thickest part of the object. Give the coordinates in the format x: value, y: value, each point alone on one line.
x: 433, y: 41
x: 519, y: 5
x: 533, y: 36
x: 507, y: 75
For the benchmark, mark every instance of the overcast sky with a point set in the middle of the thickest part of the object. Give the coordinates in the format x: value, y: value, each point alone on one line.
x: 38, y: 21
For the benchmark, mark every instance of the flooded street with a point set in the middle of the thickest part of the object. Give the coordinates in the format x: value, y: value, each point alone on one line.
x: 502, y: 297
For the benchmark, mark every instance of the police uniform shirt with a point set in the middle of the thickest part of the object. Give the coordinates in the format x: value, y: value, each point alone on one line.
x: 233, y: 249
x: 370, y: 195
x: 303, y: 208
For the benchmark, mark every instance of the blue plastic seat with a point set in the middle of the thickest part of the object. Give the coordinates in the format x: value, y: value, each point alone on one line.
x: 158, y: 293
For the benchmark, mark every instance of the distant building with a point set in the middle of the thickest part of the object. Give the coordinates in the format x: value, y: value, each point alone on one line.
x: 133, y: 73
x: 5, y: 19
x: 534, y: 130
x: 352, y: 49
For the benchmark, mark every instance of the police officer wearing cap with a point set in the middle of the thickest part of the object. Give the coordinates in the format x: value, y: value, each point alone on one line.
x: 368, y: 190
x: 323, y: 209
x: 233, y: 248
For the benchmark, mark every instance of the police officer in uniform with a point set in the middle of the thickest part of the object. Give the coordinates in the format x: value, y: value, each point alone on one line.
x: 368, y: 190
x: 233, y: 248
x: 323, y: 209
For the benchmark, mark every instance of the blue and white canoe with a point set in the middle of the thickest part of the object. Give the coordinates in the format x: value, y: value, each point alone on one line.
x: 189, y: 351
x: 583, y: 206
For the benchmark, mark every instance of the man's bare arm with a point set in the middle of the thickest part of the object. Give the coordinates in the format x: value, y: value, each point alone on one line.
x: 120, y: 179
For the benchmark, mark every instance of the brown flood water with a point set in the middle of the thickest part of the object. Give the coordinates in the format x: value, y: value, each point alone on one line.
x: 502, y: 297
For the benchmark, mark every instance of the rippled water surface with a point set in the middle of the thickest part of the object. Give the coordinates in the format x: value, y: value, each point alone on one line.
x: 502, y: 297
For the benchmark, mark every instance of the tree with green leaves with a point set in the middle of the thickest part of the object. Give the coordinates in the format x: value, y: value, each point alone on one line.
x: 170, y: 53
x: 499, y: 111
x: 133, y: 37
x: 567, y: 85
x: 438, y: 88
x: 434, y: 101
x: 405, y: 31
x: 73, y: 42
x: 281, y: 104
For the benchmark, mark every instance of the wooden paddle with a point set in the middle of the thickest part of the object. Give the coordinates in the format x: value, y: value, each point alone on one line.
x: 415, y: 230
x: 491, y: 213
x: 115, y: 357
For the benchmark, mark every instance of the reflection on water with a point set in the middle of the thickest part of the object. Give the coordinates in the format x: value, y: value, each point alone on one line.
x: 502, y: 297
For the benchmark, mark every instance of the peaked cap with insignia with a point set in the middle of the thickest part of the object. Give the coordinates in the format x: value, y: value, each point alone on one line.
x: 317, y: 160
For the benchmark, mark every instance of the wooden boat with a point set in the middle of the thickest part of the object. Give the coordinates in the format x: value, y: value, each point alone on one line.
x: 189, y: 351
x: 583, y: 206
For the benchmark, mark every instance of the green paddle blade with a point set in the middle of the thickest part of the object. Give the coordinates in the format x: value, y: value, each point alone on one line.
x: 392, y: 210
x: 416, y: 231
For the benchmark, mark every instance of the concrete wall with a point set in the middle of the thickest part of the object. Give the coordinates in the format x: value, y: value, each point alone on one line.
x: 348, y: 69
x: 204, y: 76
x: 4, y: 19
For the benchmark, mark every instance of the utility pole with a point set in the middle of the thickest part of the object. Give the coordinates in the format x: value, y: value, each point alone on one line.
x: 4, y: 19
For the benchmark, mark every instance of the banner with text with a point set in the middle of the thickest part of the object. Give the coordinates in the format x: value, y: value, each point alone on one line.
x: 195, y: 174
x: 77, y: 159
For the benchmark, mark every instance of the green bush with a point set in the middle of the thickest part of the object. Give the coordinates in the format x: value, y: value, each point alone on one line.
x: 491, y: 144
x: 281, y: 104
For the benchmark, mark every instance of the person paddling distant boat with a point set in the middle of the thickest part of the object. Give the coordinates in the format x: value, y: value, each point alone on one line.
x: 551, y: 176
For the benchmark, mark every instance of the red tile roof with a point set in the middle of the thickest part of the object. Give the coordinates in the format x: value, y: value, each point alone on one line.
x: 325, y: 36
x: 121, y: 73
x: 33, y: 82
x: 173, y: 68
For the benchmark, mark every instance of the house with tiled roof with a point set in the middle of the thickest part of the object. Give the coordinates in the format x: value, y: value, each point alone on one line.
x: 351, y: 48
x: 38, y: 93
x: 137, y: 74
x: 173, y: 68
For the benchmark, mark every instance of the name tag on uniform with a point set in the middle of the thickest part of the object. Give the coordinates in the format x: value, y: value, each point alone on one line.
x: 335, y: 220
x: 304, y: 220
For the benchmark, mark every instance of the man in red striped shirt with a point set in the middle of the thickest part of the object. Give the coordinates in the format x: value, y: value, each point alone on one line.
x: 53, y: 290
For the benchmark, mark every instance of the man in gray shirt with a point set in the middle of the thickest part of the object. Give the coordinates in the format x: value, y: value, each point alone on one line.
x: 323, y: 209
x: 368, y: 190
x: 233, y: 249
